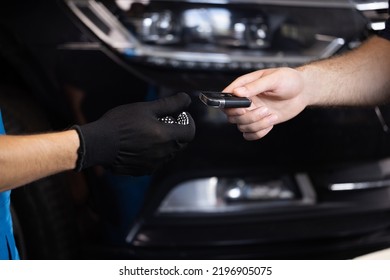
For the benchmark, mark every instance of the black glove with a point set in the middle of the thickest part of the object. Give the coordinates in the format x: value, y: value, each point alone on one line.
x: 134, y: 139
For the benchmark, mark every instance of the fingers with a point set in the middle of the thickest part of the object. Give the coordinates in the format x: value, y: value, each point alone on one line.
x: 255, y: 123
x: 256, y: 119
x: 184, y: 133
x: 234, y: 111
x: 242, y: 80
x: 256, y: 135
x: 254, y: 83
x: 181, y: 129
x: 248, y: 116
x: 262, y: 124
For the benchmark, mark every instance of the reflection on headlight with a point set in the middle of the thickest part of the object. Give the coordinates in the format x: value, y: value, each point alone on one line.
x: 125, y: 5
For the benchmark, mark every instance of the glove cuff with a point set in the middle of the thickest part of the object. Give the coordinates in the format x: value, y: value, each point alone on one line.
x: 81, y: 150
x: 99, y: 145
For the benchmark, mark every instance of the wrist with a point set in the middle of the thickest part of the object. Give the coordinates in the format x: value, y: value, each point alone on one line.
x: 61, y: 148
x: 74, y: 144
x: 309, y: 92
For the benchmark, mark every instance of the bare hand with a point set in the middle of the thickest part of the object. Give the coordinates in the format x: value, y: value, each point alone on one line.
x: 276, y: 96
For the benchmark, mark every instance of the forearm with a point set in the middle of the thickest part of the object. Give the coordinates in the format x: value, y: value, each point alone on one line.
x: 360, y: 77
x: 24, y: 159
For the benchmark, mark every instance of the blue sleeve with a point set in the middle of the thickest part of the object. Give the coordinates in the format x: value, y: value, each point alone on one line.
x: 2, y: 130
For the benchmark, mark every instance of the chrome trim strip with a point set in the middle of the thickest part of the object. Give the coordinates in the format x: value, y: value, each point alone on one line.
x: 297, y: 3
x: 359, y: 185
x: 80, y: 46
x: 306, y: 187
x: 334, y: 45
x: 327, y: 46
x: 119, y: 36
x: 381, y: 119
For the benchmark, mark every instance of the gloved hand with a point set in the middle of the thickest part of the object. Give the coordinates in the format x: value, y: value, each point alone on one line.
x: 131, y: 139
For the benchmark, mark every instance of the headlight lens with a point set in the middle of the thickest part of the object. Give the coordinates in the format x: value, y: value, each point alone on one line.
x: 197, y: 35
x: 216, y: 26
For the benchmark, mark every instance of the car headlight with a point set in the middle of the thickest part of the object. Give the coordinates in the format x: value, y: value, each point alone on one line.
x: 213, y: 26
x: 223, y: 35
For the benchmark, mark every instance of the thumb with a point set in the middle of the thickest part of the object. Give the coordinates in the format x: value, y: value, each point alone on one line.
x: 171, y: 105
x: 280, y: 83
x: 264, y: 84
